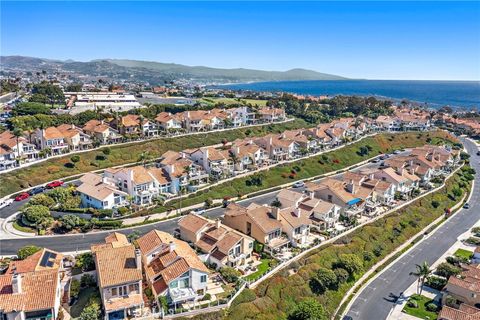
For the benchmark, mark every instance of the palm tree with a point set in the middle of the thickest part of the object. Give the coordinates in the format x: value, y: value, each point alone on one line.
x: 423, y: 271
x: 234, y: 158
x: 144, y: 157
x: 17, y: 133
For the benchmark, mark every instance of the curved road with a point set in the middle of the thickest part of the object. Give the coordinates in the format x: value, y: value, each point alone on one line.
x: 80, y: 242
x: 378, y: 298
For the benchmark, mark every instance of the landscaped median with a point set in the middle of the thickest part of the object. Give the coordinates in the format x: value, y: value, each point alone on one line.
x: 313, y: 166
x: 59, y: 168
x: 326, y: 274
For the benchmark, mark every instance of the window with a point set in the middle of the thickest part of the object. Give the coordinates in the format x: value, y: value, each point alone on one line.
x: 133, y: 287
x: 174, y: 284
x: 203, y: 278
x: 114, y: 291
x: 250, y: 245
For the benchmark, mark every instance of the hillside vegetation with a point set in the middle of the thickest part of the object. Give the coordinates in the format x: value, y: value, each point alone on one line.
x: 318, y: 165
x: 58, y: 168
x: 277, y: 297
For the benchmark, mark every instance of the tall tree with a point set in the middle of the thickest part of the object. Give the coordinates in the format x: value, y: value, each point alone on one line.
x: 422, y: 273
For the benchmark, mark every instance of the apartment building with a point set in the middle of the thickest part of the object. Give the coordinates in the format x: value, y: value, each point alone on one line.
x: 223, y: 245
x: 172, y: 268
x: 119, y: 277
x: 132, y: 124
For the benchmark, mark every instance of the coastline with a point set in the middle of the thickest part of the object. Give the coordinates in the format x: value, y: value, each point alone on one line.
x: 461, y: 95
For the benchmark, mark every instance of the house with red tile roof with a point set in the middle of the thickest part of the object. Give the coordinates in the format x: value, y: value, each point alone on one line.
x: 463, y: 312
x: 119, y: 277
x: 101, y: 131
x: 53, y: 139
x: 30, y: 288
x: 11, y: 149
x: 172, y: 268
x: 223, y: 245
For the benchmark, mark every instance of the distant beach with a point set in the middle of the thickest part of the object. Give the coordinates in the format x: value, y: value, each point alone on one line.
x: 435, y: 94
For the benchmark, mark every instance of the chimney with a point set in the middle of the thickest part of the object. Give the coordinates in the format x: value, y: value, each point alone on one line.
x: 104, y: 179
x: 310, y: 194
x: 238, y: 150
x: 351, y: 187
x: 275, y: 213
x: 138, y: 259
x: 183, y: 155
x: 16, y: 282
x: 171, y: 246
x: 296, y: 212
x: 218, y: 223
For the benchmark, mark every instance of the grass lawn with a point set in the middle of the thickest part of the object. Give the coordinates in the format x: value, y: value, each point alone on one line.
x: 420, y: 312
x: 462, y: 253
x: 83, y: 299
x: 57, y: 168
x: 23, y: 228
x: 261, y: 269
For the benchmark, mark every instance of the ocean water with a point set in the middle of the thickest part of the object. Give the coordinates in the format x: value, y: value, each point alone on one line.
x: 458, y: 94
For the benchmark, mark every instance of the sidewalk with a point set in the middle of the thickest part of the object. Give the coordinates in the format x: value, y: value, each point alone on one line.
x: 7, y: 230
x: 396, y: 312
x: 28, y: 164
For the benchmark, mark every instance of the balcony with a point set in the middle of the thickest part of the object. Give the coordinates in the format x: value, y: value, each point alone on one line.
x: 182, y: 294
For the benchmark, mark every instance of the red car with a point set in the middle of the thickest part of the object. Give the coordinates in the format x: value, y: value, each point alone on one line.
x: 22, y: 196
x: 54, y: 184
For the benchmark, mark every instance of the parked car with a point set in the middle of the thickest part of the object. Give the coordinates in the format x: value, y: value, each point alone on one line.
x: 5, y: 203
x: 376, y: 160
x: 397, y: 152
x: 198, y: 211
x: 36, y: 190
x: 22, y: 196
x: 466, y: 206
x: 299, y: 184
x: 54, y: 184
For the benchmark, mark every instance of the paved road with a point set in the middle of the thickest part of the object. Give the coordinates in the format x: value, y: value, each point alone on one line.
x: 378, y: 298
x: 16, y: 205
x: 79, y: 242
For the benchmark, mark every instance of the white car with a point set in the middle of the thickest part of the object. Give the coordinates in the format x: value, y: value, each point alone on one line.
x: 199, y: 211
x: 6, y: 203
x: 299, y: 184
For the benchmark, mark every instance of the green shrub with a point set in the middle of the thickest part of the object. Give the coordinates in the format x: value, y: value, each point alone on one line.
x: 436, y: 283
x: 431, y: 306
x: 74, y: 288
x: 342, y: 275
x: 412, y: 303
x: 229, y: 274
x: 87, y: 280
x: 27, y: 251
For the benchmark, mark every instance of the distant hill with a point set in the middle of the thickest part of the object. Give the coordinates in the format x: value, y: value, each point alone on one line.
x: 156, y: 72
x: 239, y: 74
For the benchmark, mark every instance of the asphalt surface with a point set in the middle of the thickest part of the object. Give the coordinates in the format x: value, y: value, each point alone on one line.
x: 80, y: 242
x: 379, y: 297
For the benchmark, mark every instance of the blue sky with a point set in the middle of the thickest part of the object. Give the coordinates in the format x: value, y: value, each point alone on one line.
x: 373, y: 40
